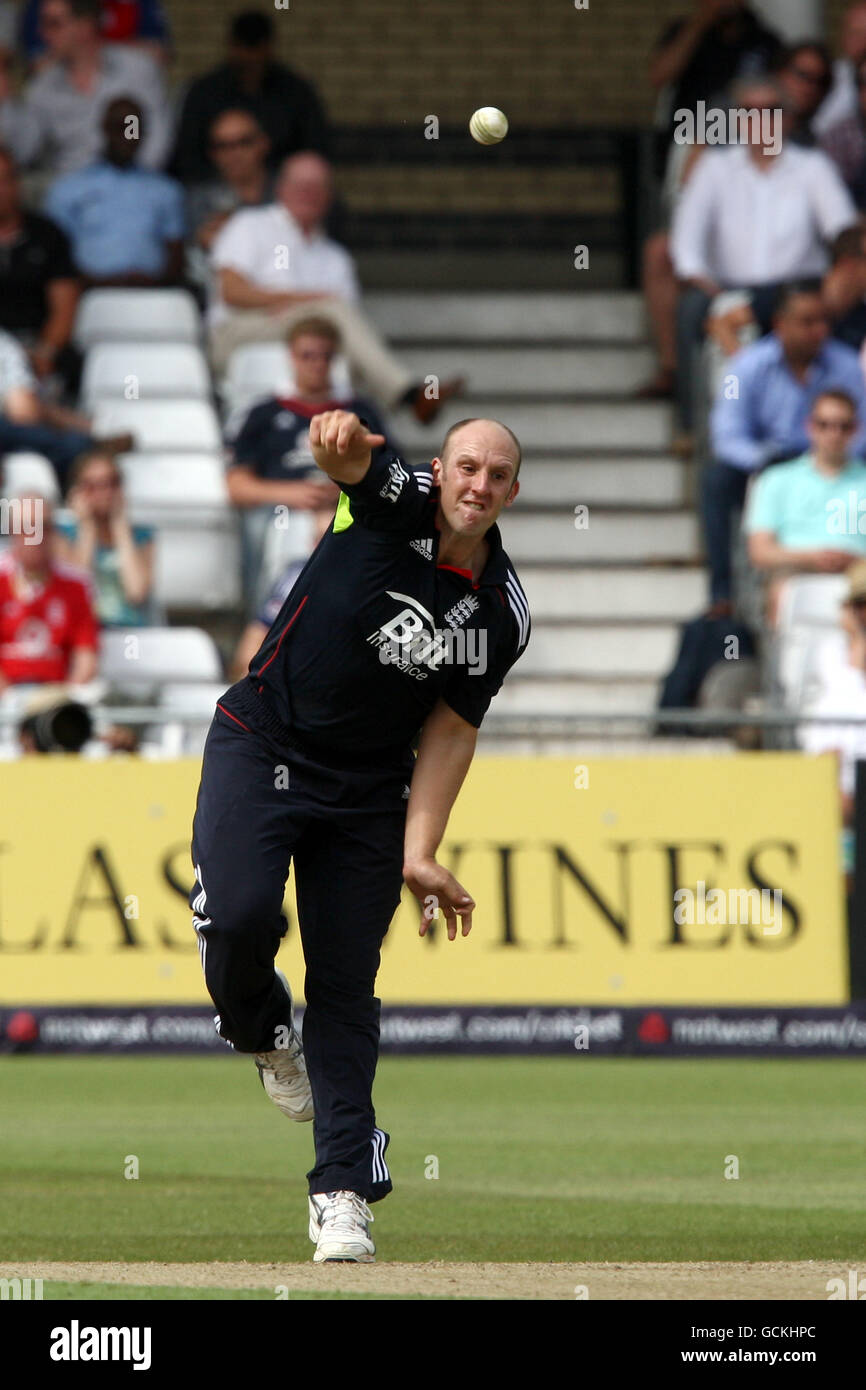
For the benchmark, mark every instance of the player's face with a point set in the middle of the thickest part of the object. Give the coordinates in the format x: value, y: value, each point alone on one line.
x: 476, y: 479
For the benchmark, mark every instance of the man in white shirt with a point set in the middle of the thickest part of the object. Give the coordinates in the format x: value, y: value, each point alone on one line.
x: 272, y: 265
x: 57, y: 125
x: 752, y: 216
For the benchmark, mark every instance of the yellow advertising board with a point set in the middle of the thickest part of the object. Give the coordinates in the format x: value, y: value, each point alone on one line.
x: 622, y: 881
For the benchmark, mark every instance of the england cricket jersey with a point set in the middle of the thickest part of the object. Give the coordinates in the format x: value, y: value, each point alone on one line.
x: 374, y: 630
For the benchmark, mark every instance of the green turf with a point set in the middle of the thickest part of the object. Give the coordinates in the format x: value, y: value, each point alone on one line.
x: 539, y: 1159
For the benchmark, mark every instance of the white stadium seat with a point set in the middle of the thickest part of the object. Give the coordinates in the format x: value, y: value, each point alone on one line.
x: 110, y: 316
x: 154, y: 482
x: 132, y: 658
x: 198, y: 568
x: 28, y: 473
x: 161, y: 425
x: 138, y: 371
x: 265, y: 369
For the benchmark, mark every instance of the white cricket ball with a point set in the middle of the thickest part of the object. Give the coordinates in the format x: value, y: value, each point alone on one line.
x: 488, y: 125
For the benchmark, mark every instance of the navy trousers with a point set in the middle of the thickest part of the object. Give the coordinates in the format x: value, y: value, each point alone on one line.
x: 259, y: 810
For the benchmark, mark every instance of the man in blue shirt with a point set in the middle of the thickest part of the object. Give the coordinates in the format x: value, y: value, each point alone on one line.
x: 809, y: 516
x: 126, y: 224
x: 761, y: 414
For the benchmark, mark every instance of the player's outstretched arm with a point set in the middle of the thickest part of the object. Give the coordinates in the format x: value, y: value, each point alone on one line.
x: 445, y: 751
x: 341, y: 445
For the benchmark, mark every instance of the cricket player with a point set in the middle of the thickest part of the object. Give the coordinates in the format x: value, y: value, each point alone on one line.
x: 398, y: 632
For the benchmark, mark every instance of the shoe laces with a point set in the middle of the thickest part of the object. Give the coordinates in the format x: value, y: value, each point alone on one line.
x: 343, y: 1211
x: 282, y: 1061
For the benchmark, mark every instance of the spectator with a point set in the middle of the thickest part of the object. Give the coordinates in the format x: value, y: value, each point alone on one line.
x: 732, y: 323
x: 30, y: 425
x: 799, y: 515
x: 126, y: 224
x: 751, y: 217
x: 287, y: 108
x: 845, y: 142
x: 239, y: 149
x: 761, y: 411
x: 842, y: 99
x: 100, y: 540
x: 845, y: 288
x: 273, y: 262
x: 695, y: 60
x: 48, y: 628
x: 139, y: 23
x: 699, y: 57
x: 841, y: 692
x: 58, y: 123
x: 805, y: 74
x: 38, y: 286
x: 257, y: 628
x: 271, y: 464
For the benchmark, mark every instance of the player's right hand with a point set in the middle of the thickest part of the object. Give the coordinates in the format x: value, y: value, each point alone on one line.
x: 340, y: 434
x: 436, y: 888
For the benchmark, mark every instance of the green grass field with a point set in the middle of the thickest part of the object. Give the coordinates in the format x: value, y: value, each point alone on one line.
x: 560, y: 1159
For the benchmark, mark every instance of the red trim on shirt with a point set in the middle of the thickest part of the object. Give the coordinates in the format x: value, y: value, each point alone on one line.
x: 309, y: 408
x: 232, y: 716
x: 282, y: 635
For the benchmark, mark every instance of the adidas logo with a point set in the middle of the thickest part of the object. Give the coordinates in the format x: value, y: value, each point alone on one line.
x: 424, y: 548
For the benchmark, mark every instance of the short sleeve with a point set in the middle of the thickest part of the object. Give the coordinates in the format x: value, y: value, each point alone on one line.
x: 174, y: 212
x: 469, y: 690
x: 234, y: 246
x: 245, y: 437
x: 763, y: 512
x: 60, y: 263
x: 142, y: 535
x: 390, y: 497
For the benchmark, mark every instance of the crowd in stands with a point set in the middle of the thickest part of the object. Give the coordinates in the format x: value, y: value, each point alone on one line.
x: 111, y: 179
x: 755, y: 284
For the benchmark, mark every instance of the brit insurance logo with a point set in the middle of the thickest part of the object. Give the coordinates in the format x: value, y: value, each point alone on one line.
x: 398, y: 478
x: 413, y: 643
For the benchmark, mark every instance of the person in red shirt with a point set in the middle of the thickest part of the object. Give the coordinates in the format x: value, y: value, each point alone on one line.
x: 48, y: 627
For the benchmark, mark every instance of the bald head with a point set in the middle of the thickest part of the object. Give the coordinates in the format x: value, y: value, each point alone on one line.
x: 487, y: 432
x: 305, y: 188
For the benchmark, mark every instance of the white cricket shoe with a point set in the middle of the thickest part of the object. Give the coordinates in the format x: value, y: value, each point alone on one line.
x: 339, y: 1224
x: 283, y: 1073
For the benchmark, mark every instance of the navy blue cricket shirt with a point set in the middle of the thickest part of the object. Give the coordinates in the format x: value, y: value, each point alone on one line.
x: 374, y: 630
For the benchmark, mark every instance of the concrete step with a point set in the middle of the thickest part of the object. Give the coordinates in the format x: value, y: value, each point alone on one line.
x: 600, y: 649
x: 630, y: 426
x: 604, y: 482
x: 534, y: 371
x: 522, y: 316
x: 619, y: 481
x: 614, y: 593
x: 610, y: 537
x: 565, y: 695
x: 465, y: 268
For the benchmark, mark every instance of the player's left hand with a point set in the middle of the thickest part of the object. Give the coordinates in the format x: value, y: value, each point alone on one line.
x: 436, y: 888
